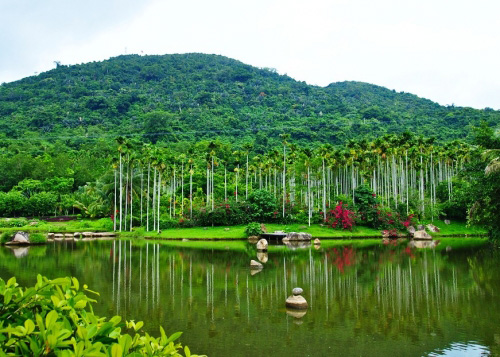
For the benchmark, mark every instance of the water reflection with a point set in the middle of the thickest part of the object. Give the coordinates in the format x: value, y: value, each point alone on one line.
x: 361, y: 301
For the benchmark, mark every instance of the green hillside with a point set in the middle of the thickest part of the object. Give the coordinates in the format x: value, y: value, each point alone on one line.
x: 187, y: 97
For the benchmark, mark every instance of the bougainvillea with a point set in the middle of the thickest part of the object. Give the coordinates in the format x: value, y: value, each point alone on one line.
x: 340, y: 217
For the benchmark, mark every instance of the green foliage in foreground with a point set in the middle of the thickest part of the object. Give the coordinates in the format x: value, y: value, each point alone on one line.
x: 55, y: 318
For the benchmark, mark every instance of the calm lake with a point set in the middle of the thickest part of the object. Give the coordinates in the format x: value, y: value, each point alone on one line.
x: 363, y: 301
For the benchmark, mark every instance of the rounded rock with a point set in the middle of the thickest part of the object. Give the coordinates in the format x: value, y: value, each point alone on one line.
x: 297, y: 291
x: 296, y: 302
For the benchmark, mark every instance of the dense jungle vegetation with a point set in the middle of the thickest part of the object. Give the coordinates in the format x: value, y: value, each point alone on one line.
x: 182, y: 140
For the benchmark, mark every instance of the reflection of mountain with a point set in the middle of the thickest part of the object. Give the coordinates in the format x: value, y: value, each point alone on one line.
x: 362, y: 301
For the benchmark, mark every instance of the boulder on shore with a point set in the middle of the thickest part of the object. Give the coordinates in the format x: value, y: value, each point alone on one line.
x: 422, y: 235
x: 299, y: 236
x: 19, y: 238
x: 432, y: 228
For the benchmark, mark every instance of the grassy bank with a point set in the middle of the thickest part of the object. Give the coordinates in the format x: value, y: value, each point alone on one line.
x: 230, y: 232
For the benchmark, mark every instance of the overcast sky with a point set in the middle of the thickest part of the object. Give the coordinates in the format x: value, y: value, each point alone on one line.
x: 444, y: 50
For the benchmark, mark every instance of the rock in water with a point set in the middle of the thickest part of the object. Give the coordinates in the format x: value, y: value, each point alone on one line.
x: 20, y: 238
x: 296, y: 301
x: 411, y: 230
x: 421, y: 235
x: 447, y: 221
x: 255, y: 265
x: 298, y: 236
x: 262, y: 245
x: 420, y: 227
x: 317, y: 241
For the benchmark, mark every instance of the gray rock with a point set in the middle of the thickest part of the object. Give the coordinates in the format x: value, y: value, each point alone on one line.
x: 50, y: 236
x: 420, y: 227
x: 226, y: 229
x: 299, y: 236
x: 87, y: 234
x: 77, y: 235
x: 411, y: 230
x: 58, y: 236
x: 255, y: 264
x: 297, y: 291
x: 447, y: 221
x: 262, y: 245
x: 317, y: 241
x: 432, y: 228
x: 296, y: 302
x: 422, y: 234
x: 20, y: 238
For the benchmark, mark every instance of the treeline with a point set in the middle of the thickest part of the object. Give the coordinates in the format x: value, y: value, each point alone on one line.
x: 195, y: 97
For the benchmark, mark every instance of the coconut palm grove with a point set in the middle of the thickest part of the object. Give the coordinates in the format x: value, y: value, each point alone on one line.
x: 183, y: 157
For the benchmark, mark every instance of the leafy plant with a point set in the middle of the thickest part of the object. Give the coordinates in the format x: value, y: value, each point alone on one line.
x: 38, y: 238
x: 253, y: 229
x: 5, y: 237
x: 55, y: 317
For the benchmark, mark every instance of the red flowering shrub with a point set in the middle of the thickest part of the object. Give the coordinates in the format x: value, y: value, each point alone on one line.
x: 340, y: 216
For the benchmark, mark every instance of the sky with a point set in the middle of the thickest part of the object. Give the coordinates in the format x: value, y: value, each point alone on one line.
x: 444, y: 50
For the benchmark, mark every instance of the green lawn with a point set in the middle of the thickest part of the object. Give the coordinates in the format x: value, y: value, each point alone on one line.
x: 234, y: 232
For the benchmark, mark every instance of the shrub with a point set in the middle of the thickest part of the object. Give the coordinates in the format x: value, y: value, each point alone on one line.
x: 13, y: 222
x: 341, y: 217
x: 5, y: 237
x: 55, y: 317
x: 37, y: 238
x: 263, y: 206
x: 253, y: 229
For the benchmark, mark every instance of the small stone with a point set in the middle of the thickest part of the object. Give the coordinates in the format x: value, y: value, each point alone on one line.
x: 297, y: 291
x: 447, y: 221
x: 185, y: 240
x: 299, y: 236
x: 420, y: 227
x: 262, y: 245
x: 448, y: 248
x: 205, y: 228
x: 317, y: 241
x: 296, y: 302
x: 411, y: 230
x: 226, y: 229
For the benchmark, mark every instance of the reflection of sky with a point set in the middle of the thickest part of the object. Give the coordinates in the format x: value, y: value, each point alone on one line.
x: 469, y: 349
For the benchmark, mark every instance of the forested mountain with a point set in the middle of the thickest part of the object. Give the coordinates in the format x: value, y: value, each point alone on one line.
x: 188, y: 97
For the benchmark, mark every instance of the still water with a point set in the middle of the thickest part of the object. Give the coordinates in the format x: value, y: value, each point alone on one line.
x: 363, y: 301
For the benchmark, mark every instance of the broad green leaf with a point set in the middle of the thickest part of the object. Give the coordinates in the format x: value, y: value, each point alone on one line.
x: 50, y: 319
x: 30, y: 326
x: 76, y: 284
x: 116, y: 351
